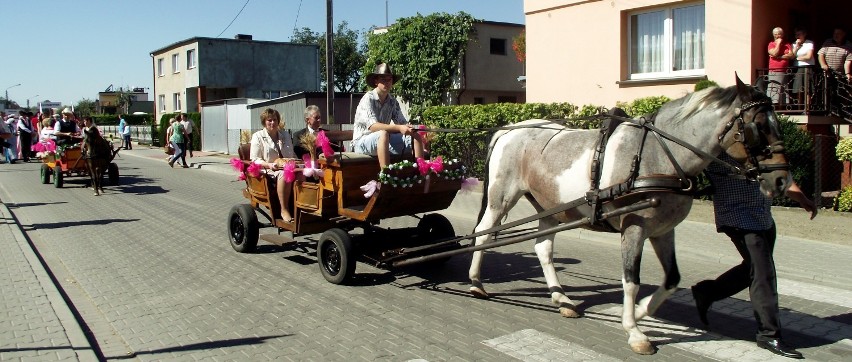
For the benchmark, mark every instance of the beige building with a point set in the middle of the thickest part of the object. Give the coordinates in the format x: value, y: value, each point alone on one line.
x: 601, y: 52
x: 198, y: 70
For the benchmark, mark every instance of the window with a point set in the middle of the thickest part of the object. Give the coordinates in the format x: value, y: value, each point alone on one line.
x: 667, y: 42
x: 176, y: 101
x: 507, y: 99
x: 175, y: 63
x: 498, y: 46
x: 160, y: 67
x: 161, y: 99
x: 190, y: 59
x: 271, y: 94
x: 478, y: 100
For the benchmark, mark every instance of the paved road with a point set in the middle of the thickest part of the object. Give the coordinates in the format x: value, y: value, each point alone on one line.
x: 148, y: 270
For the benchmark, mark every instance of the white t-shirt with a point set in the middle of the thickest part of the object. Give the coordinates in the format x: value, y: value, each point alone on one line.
x: 806, y: 46
x: 187, y: 125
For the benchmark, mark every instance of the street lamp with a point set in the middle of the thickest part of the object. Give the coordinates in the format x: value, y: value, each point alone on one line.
x: 7, y: 93
x: 28, y: 101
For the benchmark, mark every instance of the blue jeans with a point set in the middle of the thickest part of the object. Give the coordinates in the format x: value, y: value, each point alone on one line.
x: 369, y: 144
x: 179, y: 152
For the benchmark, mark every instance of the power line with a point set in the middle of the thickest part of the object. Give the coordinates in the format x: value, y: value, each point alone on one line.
x: 235, y: 19
x: 298, y: 11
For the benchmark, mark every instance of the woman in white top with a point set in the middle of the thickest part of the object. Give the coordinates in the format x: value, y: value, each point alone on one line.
x: 269, y: 144
x: 804, y: 50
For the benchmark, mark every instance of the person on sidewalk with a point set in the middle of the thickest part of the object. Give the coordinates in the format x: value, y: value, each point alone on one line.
x: 187, y: 126
x: 744, y: 214
x: 177, y: 137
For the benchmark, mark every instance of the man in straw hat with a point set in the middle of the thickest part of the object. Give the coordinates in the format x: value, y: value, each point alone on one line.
x: 380, y: 128
x: 66, y: 128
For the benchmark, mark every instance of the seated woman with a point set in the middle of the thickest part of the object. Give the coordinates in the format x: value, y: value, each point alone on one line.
x: 46, y: 141
x: 269, y: 144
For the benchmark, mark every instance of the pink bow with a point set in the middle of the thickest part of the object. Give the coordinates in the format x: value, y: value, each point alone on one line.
x: 325, y: 144
x: 436, y: 165
x: 370, y: 188
x: 311, y: 169
x: 237, y: 164
x: 290, y: 171
x: 254, y: 170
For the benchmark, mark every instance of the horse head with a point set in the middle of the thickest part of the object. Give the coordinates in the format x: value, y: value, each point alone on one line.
x: 753, y: 138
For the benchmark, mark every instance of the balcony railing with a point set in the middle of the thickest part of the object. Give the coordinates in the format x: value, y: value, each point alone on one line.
x: 807, y: 90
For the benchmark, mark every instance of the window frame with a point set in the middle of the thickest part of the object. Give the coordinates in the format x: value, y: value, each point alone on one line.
x: 162, y: 99
x: 491, y: 46
x: 190, y: 59
x: 668, y: 49
x: 176, y: 101
x: 161, y: 67
x: 176, y: 63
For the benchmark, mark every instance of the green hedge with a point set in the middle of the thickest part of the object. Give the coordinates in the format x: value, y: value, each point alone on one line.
x: 131, y: 119
x: 844, y: 201
x: 159, y: 132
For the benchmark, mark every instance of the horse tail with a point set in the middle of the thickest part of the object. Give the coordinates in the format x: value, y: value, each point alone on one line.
x: 482, y: 207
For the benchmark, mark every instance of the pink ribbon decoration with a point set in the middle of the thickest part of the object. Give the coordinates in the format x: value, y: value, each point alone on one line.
x: 469, y: 184
x: 436, y: 165
x: 311, y: 169
x: 241, y: 176
x: 325, y: 144
x: 254, y: 170
x: 237, y: 164
x: 290, y: 171
x: 370, y: 188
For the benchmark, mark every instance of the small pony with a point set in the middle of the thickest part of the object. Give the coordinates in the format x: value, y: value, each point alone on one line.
x: 98, y: 153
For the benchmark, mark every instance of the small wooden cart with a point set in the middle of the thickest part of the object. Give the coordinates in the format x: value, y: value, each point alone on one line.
x: 71, y: 163
x: 335, y: 205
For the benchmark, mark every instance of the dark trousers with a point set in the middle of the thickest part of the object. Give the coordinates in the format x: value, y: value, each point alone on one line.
x: 757, y: 273
x: 26, y: 140
x: 189, y: 143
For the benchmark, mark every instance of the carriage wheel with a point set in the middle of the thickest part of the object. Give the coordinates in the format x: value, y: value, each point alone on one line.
x: 112, y: 172
x: 336, y: 256
x: 433, y: 227
x: 243, y: 228
x: 45, y: 174
x: 57, y: 176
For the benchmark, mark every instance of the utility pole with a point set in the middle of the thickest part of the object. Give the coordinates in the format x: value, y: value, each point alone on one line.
x: 329, y: 61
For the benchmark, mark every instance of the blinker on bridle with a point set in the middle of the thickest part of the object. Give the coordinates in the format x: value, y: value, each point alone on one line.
x: 749, y: 135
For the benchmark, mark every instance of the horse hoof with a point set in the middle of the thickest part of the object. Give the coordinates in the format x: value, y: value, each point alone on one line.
x: 569, y: 312
x: 644, y: 348
x: 479, y: 293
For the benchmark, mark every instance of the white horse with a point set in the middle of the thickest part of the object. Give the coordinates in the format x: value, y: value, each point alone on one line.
x: 551, y: 165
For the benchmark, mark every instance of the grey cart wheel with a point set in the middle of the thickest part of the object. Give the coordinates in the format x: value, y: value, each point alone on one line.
x: 336, y: 257
x: 57, y: 176
x: 112, y: 173
x: 434, y: 227
x: 243, y: 228
x: 45, y: 174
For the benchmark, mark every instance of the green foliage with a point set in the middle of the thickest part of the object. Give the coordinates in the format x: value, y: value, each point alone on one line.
x: 706, y: 83
x: 519, y: 45
x: 348, y: 57
x: 844, y: 149
x: 799, y: 150
x: 471, y: 147
x: 844, y: 200
x: 85, y: 107
x: 159, y: 133
x: 425, y: 51
x: 131, y: 119
x: 643, y: 106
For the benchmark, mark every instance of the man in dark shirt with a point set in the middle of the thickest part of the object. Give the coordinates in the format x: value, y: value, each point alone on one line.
x: 744, y: 214
x: 313, y: 124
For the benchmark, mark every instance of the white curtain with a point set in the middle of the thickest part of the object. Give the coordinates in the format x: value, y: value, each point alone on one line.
x: 646, y: 46
x: 688, y: 42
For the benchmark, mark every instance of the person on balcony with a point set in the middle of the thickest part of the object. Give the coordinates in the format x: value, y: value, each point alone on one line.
x: 836, y: 55
x: 804, y: 50
x: 780, y: 54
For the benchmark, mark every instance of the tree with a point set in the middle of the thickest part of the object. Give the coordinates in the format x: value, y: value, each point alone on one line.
x: 426, y: 51
x: 85, y: 107
x: 349, y: 57
x: 123, y: 100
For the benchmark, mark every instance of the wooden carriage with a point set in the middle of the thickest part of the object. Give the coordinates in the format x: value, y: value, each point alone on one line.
x: 70, y: 162
x: 335, y: 204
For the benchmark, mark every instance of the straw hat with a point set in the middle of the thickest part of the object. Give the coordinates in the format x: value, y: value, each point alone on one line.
x: 67, y: 111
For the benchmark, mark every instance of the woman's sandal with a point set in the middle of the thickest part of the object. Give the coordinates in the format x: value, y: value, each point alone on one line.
x: 288, y: 221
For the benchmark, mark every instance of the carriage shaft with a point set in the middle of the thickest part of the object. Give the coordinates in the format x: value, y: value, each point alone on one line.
x: 653, y: 202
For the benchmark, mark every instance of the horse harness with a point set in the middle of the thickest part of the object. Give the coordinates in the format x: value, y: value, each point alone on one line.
x: 747, y: 133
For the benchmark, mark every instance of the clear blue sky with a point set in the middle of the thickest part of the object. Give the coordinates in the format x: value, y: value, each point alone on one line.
x: 65, y: 51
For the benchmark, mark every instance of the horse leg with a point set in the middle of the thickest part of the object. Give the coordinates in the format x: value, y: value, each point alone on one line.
x: 544, y: 251
x: 497, y: 204
x: 664, y: 248
x: 632, y: 240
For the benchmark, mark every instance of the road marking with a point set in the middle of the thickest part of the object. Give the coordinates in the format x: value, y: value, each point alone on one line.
x: 532, y: 345
x: 816, y: 293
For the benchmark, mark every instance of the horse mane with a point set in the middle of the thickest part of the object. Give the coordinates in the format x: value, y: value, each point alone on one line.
x: 691, y: 104
x: 96, y: 144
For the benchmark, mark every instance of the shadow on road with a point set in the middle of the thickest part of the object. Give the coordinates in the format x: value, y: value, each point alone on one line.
x: 64, y: 224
